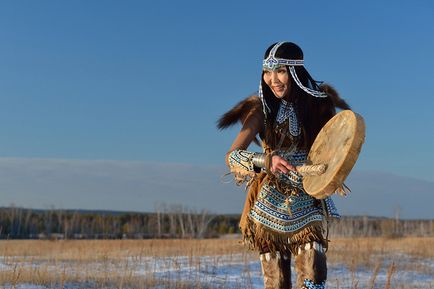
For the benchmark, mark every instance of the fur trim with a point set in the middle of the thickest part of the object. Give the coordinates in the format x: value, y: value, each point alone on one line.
x: 334, y: 96
x: 276, y: 271
x: 311, y: 268
x: 239, y: 112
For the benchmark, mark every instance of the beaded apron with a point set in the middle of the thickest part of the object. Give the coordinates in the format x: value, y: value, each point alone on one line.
x: 290, y: 210
x: 289, y: 213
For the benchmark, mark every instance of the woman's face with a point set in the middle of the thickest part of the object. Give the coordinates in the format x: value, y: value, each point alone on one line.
x: 278, y: 81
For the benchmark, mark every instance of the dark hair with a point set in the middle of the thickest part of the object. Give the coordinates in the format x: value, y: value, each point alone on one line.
x: 312, y: 112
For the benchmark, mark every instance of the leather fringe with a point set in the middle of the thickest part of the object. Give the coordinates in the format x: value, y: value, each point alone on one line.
x: 257, y: 237
x: 242, y: 176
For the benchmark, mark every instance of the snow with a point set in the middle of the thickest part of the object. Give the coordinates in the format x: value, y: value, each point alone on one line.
x: 232, y: 271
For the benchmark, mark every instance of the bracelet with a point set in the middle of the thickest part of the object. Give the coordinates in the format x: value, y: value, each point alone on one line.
x: 258, y: 160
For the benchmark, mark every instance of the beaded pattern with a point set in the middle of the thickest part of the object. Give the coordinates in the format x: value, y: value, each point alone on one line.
x: 287, y: 112
x: 287, y: 214
x: 241, y: 159
x: 272, y: 62
x: 295, y: 158
x: 273, y: 211
x: 276, y: 210
x: 309, y: 284
x: 291, y: 178
x: 310, y: 91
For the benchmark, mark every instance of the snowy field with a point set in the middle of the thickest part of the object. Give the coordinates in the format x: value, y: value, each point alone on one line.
x: 234, y: 270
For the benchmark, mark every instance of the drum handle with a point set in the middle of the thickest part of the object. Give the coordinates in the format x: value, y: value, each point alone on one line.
x: 312, y: 170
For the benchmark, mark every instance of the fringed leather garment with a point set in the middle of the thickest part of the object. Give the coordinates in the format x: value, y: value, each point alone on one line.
x: 278, y: 215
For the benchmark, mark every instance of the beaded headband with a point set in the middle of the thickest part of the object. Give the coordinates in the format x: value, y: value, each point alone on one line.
x: 272, y: 63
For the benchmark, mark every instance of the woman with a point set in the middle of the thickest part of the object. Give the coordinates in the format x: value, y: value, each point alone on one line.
x: 279, y: 219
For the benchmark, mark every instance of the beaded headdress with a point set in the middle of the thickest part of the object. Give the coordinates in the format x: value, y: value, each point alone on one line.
x: 272, y: 63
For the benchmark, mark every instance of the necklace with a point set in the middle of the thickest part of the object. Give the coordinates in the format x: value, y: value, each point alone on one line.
x: 286, y: 112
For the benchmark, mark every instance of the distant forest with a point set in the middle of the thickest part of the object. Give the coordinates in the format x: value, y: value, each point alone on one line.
x: 172, y: 221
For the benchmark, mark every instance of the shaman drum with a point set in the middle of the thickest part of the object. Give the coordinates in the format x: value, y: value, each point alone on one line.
x: 337, y: 146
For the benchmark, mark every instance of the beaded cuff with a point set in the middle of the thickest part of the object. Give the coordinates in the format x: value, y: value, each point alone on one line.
x: 309, y: 284
x: 241, y: 165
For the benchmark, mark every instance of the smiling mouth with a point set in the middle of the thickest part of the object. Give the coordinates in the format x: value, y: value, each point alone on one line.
x: 278, y: 88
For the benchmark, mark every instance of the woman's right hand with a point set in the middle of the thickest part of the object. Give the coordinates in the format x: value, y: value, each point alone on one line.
x: 279, y: 164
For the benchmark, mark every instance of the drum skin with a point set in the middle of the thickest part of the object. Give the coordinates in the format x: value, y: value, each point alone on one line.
x: 338, y: 146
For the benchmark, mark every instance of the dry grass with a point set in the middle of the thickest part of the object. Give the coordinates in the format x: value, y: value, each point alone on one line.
x: 373, y: 252
x: 102, y: 249
x: 393, y: 255
x: 114, y: 263
x: 103, y: 263
x: 418, y: 247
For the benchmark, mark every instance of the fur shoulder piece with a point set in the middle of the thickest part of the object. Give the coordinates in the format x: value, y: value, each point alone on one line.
x: 239, y: 112
x: 334, y: 96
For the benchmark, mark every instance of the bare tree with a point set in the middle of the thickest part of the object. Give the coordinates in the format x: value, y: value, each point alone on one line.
x: 179, y: 210
x: 203, y: 223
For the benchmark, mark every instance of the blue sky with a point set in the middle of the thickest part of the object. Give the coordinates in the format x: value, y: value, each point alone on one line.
x: 146, y: 80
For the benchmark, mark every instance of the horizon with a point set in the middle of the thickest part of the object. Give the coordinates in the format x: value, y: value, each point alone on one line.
x: 117, y: 212
x: 138, y: 186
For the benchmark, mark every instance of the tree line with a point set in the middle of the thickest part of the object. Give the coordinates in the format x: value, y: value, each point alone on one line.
x: 171, y: 221
x: 365, y: 226
x: 168, y: 221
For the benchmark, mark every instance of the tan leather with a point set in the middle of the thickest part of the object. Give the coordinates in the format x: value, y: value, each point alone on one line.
x: 252, y: 124
x: 276, y: 271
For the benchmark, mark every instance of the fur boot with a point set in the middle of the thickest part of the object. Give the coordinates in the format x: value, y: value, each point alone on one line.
x: 276, y: 271
x: 311, y: 266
